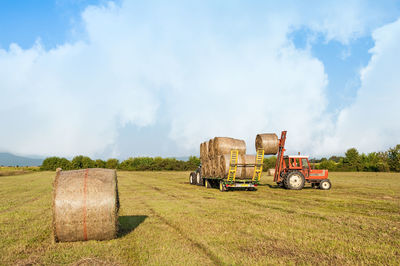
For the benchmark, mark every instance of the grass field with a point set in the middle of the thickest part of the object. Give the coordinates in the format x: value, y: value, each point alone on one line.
x: 164, y: 220
x: 10, y: 170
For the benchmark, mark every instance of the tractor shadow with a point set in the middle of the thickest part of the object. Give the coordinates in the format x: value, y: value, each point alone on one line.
x: 278, y: 187
x: 129, y: 223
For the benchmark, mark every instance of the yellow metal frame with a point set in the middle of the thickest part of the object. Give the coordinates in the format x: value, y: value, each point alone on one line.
x: 259, y: 165
x: 233, y: 165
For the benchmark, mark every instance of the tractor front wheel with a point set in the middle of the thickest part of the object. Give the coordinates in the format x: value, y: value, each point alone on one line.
x: 325, y: 184
x: 207, y: 183
x: 294, y: 180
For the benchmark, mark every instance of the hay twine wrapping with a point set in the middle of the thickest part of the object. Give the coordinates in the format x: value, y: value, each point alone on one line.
x: 268, y: 142
x: 85, y: 205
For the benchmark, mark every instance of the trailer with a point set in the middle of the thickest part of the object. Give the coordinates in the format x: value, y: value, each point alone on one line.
x: 229, y: 181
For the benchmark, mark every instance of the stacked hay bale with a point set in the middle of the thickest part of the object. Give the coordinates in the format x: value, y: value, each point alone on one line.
x: 215, y: 157
x: 85, y: 205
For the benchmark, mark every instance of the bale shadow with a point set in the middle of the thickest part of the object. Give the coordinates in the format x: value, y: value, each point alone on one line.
x: 129, y: 223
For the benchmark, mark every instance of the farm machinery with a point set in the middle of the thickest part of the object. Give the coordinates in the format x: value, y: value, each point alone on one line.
x: 293, y: 171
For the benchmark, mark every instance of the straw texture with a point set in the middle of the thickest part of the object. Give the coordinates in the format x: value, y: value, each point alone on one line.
x: 268, y: 142
x: 85, y: 205
x: 224, y: 145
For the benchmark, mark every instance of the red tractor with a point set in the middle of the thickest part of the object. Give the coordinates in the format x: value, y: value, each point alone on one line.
x: 292, y: 172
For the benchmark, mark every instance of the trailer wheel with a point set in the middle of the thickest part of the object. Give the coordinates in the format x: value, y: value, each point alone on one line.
x: 207, y: 184
x: 192, y: 178
x: 199, y: 179
x: 325, y: 184
x: 295, y: 180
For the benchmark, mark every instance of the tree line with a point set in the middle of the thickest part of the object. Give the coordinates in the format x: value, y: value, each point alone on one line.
x: 130, y: 164
x: 352, y: 161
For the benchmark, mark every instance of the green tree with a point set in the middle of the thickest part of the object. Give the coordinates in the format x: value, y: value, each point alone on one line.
x: 269, y: 162
x: 100, y: 163
x: 112, y: 163
x: 82, y: 162
x: 328, y: 164
x: 192, y: 163
x: 394, y: 158
x: 352, y: 161
x: 52, y: 163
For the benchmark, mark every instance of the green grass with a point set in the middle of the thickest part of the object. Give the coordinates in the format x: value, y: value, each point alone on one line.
x: 11, y: 170
x: 164, y: 220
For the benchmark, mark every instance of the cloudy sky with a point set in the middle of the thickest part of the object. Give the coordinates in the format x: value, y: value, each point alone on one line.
x: 156, y: 78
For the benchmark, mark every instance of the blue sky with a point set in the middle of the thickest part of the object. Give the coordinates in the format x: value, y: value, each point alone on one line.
x: 133, y: 78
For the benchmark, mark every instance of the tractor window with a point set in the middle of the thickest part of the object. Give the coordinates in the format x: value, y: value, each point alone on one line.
x: 305, y: 163
x: 286, y: 162
x: 297, y: 162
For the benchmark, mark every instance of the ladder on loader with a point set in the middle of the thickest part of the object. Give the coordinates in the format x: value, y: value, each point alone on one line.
x: 233, y: 165
x: 258, y: 167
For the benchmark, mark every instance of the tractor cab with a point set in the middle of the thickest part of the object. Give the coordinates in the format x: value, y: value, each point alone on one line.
x: 296, y: 162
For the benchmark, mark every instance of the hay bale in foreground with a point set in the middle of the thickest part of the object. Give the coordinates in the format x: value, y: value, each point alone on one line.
x: 268, y: 142
x: 85, y: 205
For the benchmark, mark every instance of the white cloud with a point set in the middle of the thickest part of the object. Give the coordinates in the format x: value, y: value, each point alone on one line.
x: 371, y: 123
x: 208, y: 74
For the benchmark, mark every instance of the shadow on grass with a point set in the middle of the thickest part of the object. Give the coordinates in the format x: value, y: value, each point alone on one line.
x: 276, y: 186
x: 129, y: 223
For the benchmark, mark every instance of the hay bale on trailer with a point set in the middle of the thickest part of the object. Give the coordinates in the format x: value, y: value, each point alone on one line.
x: 85, y: 205
x: 248, y: 171
x: 268, y: 142
x: 224, y: 165
x: 224, y: 145
x: 205, y: 148
x: 211, y: 149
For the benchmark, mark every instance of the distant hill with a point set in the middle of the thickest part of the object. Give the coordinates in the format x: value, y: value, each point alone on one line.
x: 8, y: 159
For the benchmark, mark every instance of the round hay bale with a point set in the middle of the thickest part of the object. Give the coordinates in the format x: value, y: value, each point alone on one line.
x: 211, y: 148
x: 217, y: 170
x: 205, y: 150
x: 212, y: 167
x: 224, y: 145
x: 85, y: 205
x: 201, y: 151
x: 268, y: 142
x: 224, y: 166
x: 248, y: 171
x: 271, y: 171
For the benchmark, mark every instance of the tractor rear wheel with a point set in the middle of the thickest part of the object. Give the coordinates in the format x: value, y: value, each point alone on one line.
x: 295, y: 180
x: 192, y: 178
x: 325, y: 184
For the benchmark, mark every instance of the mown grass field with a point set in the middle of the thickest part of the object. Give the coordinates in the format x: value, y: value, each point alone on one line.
x: 10, y: 170
x: 164, y: 220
